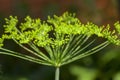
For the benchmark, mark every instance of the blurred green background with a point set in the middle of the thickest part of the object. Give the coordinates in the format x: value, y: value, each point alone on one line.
x: 104, y: 65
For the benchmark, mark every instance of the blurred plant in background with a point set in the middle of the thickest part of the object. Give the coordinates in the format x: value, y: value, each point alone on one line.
x: 83, y: 73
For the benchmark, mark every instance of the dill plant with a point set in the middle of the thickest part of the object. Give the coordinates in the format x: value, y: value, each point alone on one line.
x: 64, y: 39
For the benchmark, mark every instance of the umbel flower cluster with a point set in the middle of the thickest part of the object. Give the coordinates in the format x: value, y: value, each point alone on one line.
x: 61, y: 37
x: 57, y: 41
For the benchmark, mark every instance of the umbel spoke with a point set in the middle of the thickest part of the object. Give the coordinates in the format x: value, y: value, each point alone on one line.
x: 23, y: 56
x: 73, y: 57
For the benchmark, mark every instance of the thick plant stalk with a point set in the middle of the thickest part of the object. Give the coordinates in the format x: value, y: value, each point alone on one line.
x: 57, y: 73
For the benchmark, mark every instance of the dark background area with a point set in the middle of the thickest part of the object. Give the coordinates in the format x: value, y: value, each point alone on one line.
x: 105, y: 65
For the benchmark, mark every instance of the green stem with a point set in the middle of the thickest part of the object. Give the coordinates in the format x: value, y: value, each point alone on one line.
x: 57, y: 73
